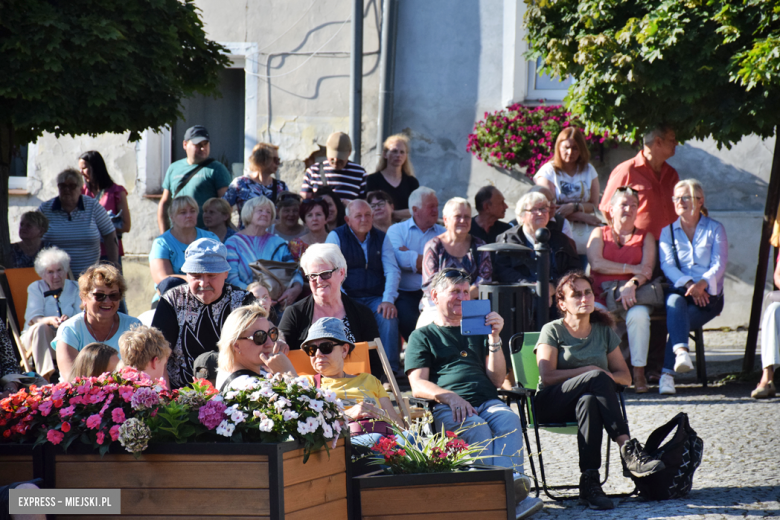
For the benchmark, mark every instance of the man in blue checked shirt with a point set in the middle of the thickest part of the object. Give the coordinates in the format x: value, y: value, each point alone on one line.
x: 372, y: 272
x: 408, y: 239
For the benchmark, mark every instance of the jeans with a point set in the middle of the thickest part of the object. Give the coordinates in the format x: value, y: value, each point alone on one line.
x: 408, y: 303
x: 388, y: 331
x: 494, y: 419
x: 591, y: 400
x: 681, y: 317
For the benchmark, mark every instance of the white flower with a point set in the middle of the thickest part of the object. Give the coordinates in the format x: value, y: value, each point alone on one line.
x: 327, y: 431
x: 226, y: 428
x: 266, y: 425
x: 281, y: 404
x: 217, y: 398
x: 258, y: 414
x: 302, y: 382
x: 329, y: 396
x: 316, y: 405
x: 312, y: 423
x: 303, y: 428
x: 231, y: 395
x: 255, y: 396
x: 230, y: 409
x: 304, y: 398
x: 246, y: 383
x: 337, y: 427
x: 267, y: 391
x: 289, y: 415
x: 238, y: 416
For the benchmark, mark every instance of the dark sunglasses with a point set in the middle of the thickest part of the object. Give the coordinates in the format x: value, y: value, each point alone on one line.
x: 101, y: 297
x: 326, y: 348
x: 324, y: 275
x: 452, y: 272
x: 259, y: 336
x: 628, y: 189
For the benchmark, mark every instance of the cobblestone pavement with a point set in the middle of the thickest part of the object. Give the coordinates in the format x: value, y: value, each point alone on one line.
x: 739, y: 475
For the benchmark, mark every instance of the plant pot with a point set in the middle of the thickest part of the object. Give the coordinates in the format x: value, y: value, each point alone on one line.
x: 16, y: 463
x: 210, y: 480
x: 484, y: 492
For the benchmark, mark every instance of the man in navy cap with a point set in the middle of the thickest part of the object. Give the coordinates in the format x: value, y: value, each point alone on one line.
x: 191, y: 315
x: 198, y: 176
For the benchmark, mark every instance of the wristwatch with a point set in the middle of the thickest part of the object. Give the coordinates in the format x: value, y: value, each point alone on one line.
x: 635, y: 282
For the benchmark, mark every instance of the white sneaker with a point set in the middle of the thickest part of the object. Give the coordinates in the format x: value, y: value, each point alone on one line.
x: 666, y: 384
x: 683, y: 363
x: 528, y: 507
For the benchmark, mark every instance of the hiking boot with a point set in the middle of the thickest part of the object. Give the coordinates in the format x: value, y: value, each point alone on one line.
x: 591, y: 494
x: 528, y: 507
x: 637, y: 462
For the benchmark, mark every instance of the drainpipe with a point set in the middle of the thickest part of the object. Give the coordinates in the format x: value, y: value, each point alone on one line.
x: 356, y: 80
x: 386, y: 73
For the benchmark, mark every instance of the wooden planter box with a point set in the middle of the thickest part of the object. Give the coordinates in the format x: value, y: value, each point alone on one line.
x: 16, y: 463
x: 485, y: 493
x: 210, y: 480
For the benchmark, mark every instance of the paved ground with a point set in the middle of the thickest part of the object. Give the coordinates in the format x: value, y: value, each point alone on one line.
x: 740, y: 474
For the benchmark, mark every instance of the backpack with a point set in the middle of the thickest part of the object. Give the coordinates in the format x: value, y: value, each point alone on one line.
x: 681, y: 456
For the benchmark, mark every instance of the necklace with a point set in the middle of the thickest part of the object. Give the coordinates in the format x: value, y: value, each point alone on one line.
x: 92, y: 331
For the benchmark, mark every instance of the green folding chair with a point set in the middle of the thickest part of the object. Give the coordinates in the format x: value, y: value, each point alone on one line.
x: 526, y: 372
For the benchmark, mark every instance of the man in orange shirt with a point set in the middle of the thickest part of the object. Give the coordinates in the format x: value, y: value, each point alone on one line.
x: 650, y: 175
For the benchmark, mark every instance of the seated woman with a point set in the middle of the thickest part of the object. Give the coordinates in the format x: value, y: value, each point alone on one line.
x: 770, y: 345
x: 255, y: 243
x: 622, y: 252
x: 454, y: 248
x: 314, y: 213
x: 579, y: 365
x: 248, y: 349
x: 101, y: 288
x: 32, y: 226
x: 336, y: 209
x: 694, y: 253
x: 364, y: 397
x: 383, y: 207
x: 288, y: 226
x: 94, y: 360
x: 216, y: 218
x: 51, y: 301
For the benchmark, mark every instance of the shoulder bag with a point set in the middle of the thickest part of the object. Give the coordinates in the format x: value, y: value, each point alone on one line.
x: 277, y: 274
x: 650, y: 294
x: 188, y: 177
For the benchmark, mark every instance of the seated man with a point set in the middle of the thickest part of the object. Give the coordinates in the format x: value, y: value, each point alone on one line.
x: 373, y: 272
x: 491, y: 208
x: 190, y: 316
x: 461, y: 373
x: 145, y: 349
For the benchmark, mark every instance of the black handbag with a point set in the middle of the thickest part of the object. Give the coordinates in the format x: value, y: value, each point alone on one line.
x: 681, y: 456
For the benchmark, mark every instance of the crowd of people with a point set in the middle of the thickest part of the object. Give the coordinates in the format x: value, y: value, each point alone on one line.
x: 357, y: 256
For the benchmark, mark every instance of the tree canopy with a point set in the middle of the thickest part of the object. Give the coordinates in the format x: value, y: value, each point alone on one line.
x: 708, y: 68
x: 96, y: 66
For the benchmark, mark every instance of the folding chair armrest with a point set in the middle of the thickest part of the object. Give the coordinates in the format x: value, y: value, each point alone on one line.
x: 426, y: 404
x: 517, y: 393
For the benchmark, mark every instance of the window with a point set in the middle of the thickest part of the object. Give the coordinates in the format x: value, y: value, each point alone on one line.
x: 18, y: 176
x: 542, y: 86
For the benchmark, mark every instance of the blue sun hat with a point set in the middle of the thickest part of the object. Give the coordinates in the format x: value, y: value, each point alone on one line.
x: 205, y: 255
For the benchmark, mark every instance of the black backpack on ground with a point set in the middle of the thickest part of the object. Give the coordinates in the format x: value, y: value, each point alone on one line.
x: 681, y: 456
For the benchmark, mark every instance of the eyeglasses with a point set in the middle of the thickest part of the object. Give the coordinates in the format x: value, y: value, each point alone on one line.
x: 538, y: 211
x: 629, y: 190
x: 326, y: 348
x: 378, y: 204
x: 453, y: 272
x: 324, y: 275
x: 68, y: 186
x: 101, y: 297
x: 687, y: 198
x: 259, y: 336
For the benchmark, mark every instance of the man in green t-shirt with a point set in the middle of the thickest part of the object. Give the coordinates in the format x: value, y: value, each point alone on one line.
x: 461, y: 373
x: 198, y: 176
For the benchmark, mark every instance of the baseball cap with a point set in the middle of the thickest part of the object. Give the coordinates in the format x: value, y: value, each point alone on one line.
x: 338, y: 146
x: 205, y: 255
x: 197, y: 134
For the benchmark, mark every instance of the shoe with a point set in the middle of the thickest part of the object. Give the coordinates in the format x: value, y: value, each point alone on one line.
x: 637, y: 462
x: 764, y: 392
x: 666, y: 385
x: 528, y: 507
x: 640, y: 384
x: 653, y: 377
x: 683, y: 363
x: 522, y: 487
x: 591, y: 494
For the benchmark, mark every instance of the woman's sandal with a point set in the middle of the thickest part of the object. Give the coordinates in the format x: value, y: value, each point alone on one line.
x: 764, y: 392
x: 640, y: 384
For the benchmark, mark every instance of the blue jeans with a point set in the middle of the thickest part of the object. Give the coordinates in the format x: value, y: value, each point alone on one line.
x: 388, y: 330
x: 682, y: 316
x: 408, y: 305
x: 494, y: 419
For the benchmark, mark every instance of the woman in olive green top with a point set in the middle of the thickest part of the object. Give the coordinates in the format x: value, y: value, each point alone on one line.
x: 580, y: 364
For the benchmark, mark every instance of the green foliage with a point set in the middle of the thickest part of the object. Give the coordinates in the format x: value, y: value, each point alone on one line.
x: 706, y: 67
x: 97, y: 66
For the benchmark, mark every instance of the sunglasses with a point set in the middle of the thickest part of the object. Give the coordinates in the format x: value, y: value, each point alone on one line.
x: 628, y: 189
x: 324, y: 275
x: 101, y: 297
x: 259, y: 336
x: 452, y: 272
x: 326, y: 348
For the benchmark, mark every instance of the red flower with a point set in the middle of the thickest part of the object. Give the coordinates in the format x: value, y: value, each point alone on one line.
x: 65, y: 427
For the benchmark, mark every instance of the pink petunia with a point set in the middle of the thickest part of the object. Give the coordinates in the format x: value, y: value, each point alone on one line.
x: 66, y: 412
x: 100, y: 437
x: 55, y: 437
x: 94, y: 421
x: 45, y: 408
x: 118, y: 415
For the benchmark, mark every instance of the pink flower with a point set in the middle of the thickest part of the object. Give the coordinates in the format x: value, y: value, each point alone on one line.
x: 55, y: 437
x: 126, y: 393
x: 93, y: 421
x: 45, y: 408
x: 100, y: 437
x: 144, y: 398
x: 66, y: 412
x: 211, y: 414
x: 118, y: 415
x: 114, y: 432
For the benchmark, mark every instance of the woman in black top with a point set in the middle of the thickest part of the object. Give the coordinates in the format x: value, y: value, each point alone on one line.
x: 395, y: 175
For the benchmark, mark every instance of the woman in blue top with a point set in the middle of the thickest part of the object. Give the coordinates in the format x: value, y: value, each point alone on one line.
x: 693, y: 253
x: 167, y: 254
x: 101, y: 288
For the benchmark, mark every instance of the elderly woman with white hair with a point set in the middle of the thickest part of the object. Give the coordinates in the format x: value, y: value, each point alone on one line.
x: 77, y: 224
x: 457, y: 248
x: 254, y: 243
x: 693, y: 253
x: 325, y: 269
x: 50, y: 301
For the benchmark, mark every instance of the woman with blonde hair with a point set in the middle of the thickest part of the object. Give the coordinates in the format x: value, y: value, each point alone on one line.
x: 216, y: 217
x: 261, y: 180
x: 395, y: 175
x: 693, y: 254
